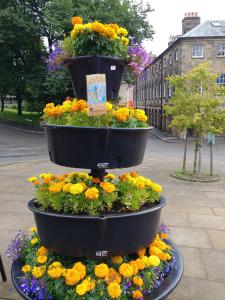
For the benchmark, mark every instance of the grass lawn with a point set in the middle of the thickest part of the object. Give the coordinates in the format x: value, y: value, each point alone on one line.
x: 31, y: 118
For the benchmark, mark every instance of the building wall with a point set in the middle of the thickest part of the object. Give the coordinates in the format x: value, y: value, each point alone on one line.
x: 149, y: 91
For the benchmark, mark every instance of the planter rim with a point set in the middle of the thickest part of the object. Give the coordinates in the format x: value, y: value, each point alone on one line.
x: 95, y: 57
x: 43, y: 124
x: 33, y: 208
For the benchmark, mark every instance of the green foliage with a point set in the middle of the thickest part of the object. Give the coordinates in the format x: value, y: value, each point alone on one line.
x: 197, y: 101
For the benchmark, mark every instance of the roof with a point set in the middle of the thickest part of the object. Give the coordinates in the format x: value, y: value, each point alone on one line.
x: 211, y: 28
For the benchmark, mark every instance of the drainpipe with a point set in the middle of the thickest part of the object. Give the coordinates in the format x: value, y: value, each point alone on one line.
x: 162, y: 83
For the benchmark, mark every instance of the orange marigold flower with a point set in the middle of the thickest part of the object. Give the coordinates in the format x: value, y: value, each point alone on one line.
x: 141, y: 252
x: 76, y: 20
x: 114, y: 290
x: 107, y: 187
x: 56, y: 187
x: 138, y: 281
x: 72, y: 276
x: 134, y: 174
x: 164, y: 236
x: 112, y: 276
x: 41, y: 259
x: 92, y: 193
x: 140, y: 263
x: 117, y: 260
x: 137, y: 294
x: 42, y: 251
x: 126, y: 270
x: 96, y: 180
x: 134, y: 266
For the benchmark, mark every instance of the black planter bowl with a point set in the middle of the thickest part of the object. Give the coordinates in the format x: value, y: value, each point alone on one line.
x: 97, y: 236
x: 96, y: 148
x: 81, y: 66
x: 167, y: 286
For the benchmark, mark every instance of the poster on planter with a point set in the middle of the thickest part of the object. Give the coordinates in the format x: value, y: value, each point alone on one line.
x: 96, y: 93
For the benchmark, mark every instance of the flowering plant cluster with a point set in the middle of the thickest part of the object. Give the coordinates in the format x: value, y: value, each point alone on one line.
x: 96, y: 38
x: 78, y: 193
x: 75, y: 112
x: 50, y: 276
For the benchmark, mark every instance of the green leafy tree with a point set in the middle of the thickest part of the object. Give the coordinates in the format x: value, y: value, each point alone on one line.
x: 197, y: 104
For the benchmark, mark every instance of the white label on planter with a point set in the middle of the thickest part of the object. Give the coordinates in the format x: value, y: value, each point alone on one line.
x: 102, y: 253
x: 103, y: 165
x: 113, y: 68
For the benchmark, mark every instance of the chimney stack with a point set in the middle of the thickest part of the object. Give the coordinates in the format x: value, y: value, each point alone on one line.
x: 190, y: 20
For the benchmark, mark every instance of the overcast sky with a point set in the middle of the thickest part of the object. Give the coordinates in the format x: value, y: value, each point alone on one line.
x: 168, y: 14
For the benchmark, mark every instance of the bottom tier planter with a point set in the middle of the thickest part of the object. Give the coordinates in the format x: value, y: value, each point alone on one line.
x: 96, y: 236
x: 166, y: 284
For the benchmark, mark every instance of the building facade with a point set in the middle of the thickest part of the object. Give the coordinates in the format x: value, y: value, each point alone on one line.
x: 197, y: 44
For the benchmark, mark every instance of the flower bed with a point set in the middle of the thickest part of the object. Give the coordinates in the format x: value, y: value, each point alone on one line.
x: 80, y: 193
x: 50, y: 276
x: 74, y: 112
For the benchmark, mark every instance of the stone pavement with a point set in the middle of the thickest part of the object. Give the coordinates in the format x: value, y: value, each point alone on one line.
x: 195, y: 212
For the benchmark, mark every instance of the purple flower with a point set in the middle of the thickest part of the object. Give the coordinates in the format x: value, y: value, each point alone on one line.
x: 34, y: 288
x: 55, y: 58
x: 16, y: 245
x: 164, y: 229
x: 140, y: 59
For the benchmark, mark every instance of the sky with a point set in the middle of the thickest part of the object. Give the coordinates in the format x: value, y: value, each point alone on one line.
x: 168, y: 14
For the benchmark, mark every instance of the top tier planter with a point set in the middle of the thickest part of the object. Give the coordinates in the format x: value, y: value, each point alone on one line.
x: 81, y: 66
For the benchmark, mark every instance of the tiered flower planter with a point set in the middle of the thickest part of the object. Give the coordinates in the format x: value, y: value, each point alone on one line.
x: 99, y: 149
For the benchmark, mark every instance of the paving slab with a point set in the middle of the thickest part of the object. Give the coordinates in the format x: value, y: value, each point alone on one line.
x: 217, y: 239
x: 218, y: 211
x: 207, y: 221
x: 214, y: 263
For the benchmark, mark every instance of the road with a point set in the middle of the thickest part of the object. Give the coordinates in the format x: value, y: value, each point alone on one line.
x: 22, y: 145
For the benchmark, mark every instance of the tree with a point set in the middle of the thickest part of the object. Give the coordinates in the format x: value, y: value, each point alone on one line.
x: 197, y: 103
x: 20, y: 47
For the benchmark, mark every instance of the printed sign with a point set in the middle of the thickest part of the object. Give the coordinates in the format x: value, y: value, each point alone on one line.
x: 96, y: 93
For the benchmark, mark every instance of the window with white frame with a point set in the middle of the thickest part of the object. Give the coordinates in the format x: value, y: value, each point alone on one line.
x: 169, y: 91
x: 160, y: 90
x: 170, y: 59
x: 197, y: 51
x: 156, y: 91
x: 221, y: 80
x: 221, y: 50
x: 164, y: 89
x: 176, y: 55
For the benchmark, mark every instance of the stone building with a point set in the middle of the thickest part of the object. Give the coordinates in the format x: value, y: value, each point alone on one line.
x: 199, y: 42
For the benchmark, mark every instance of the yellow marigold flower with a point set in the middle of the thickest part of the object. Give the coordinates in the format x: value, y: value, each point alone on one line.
x: 159, y: 244
x: 72, y: 277
x: 138, y: 281
x: 41, y: 259
x: 114, y: 26
x: 122, y: 31
x: 56, y: 187
x: 76, y: 20
x: 42, y: 251
x: 126, y: 270
x: 141, y: 252
x: 92, y: 193
x: 32, y: 179
x: 84, y: 175
x: 117, y: 259
x: 81, y: 268
x: 146, y: 261
x: 154, y: 261
x: 76, y: 189
x: 101, y: 270
x: 133, y: 264
x: 140, y: 185
x: 55, y: 272
x: 81, y: 289
x: 108, y: 106
x: 148, y: 182
x: 125, y: 40
x: 34, y: 241
x: 157, y: 252
x: 109, y: 32
x: 140, y: 263
x: 55, y: 264
x: 141, y: 117
x: 38, y: 272
x: 46, y: 177
x: 107, y: 187
x: 114, y: 290
x: 26, y: 268
x: 33, y: 229
x: 50, y: 105
x: 83, y: 185
x: 156, y: 188
x: 137, y: 294
x: 66, y: 187
x: 112, y: 276
x: 110, y: 176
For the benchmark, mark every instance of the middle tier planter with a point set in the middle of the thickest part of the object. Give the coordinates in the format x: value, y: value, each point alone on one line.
x: 96, y: 148
x: 97, y: 236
